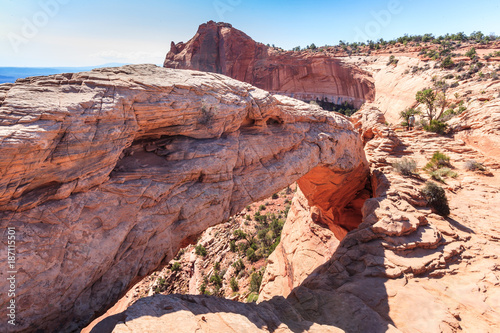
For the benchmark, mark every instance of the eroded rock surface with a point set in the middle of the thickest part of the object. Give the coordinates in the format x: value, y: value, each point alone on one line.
x: 404, y: 269
x: 220, y: 48
x: 479, y: 127
x: 105, y: 174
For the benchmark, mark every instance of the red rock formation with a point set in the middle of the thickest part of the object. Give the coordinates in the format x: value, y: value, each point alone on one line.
x: 220, y: 48
x: 106, y: 173
x: 479, y: 127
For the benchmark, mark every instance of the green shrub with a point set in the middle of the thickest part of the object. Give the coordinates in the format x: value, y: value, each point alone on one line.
x: 238, y: 266
x: 262, y: 207
x: 217, y: 266
x: 252, y: 298
x: 200, y: 250
x: 438, y: 160
x: 436, y: 126
x: 240, y: 234
x: 234, y: 284
x: 275, y: 196
x: 405, y: 166
x: 161, y: 286
x: 471, y: 53
x: 255, y: 281
x: 392, y: 61
x: 216, y: 279
x: 436, y: 198
x: 251, y: 255
x: 232, y: 246
x: 176, y: 266
x: 203, y: 288
x: 447, y: 63
x: 261, y: 234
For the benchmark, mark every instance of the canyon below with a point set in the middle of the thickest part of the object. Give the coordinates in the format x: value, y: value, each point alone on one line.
x: 215, y: 194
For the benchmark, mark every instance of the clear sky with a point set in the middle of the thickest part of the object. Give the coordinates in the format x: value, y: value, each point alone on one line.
x: 93, y: 32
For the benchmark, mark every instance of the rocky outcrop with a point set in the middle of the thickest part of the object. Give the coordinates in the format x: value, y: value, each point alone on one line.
x: 305, y: 245
x: 480, y: 127
x: 106, y: 174
x: 220, y: 48
x: 404, y: 268
x: 187, y: 314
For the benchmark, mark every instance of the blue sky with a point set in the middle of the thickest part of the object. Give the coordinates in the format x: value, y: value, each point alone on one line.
x: 92, y: 32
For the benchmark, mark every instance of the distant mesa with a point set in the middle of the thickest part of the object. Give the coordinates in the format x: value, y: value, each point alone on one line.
x: 220, y: 48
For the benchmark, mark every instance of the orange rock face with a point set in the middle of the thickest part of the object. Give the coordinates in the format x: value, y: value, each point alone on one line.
x: 105, y: 174
x: 219, y: 48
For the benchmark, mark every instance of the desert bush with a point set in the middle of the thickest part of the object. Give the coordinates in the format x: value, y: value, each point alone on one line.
x: 447, y: 63
x: 443, y: 172
x: 242, y: 247
x: 238, y: 266
x: 436, y: 198
x: 471, y: 53
x: 473, y: 165
x: 255, y: 281
x: 251, y: 255
x: 200, y: 250
x: 438, y: 160
x: 460, y: 66
x: 234, y: 284
x: 436, y: 126
x: 262, y: 207
x: 405, y: 166
x: 216, y: 279
x: 232, y: 246
x: 252, y: 298
x: 392, y: 61
x: 203, y: 289
x: 161, y: 286
x: 275, y: 196
x: 176, y: 266
x: 239, y: 234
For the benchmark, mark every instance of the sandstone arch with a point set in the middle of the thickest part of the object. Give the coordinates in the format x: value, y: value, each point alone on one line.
x: 105, y: 173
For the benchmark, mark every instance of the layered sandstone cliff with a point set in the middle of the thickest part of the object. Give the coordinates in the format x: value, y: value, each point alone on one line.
x: 106, y: 174
x: 220, y: 48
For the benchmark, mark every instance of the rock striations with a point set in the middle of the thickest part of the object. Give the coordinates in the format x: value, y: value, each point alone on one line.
x: 106, y: 174
x: 220, y: 48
